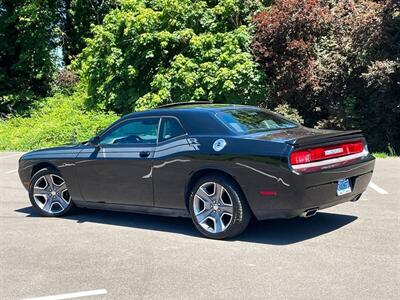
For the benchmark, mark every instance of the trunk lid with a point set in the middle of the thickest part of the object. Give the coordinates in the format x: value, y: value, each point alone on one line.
x: 303, y: 136
x: 312, y: 150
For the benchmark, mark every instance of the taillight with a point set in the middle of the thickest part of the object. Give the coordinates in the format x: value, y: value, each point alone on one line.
x: 305, y: 156
x: 300, y: 157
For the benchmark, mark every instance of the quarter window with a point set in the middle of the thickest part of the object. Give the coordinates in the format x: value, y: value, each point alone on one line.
x: 170, y: 128
x: 137, y: 131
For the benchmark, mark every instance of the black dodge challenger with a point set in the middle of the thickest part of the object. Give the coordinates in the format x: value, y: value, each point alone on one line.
x: 218, y: 164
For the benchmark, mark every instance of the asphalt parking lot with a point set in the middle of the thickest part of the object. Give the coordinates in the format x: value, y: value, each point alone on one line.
x: 351, y: 251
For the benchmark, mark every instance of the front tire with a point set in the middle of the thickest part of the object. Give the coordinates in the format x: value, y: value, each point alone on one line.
x: 48, y: 193
x: 218, y: 207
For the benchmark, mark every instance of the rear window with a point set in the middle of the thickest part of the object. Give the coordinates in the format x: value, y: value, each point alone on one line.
x: 250, y: 120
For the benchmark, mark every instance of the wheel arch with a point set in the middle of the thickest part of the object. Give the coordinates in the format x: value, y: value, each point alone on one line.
x: 42, y: 165
x: 197, y: 175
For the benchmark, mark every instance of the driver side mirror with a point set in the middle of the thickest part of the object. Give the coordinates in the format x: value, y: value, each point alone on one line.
x: 94, y: 142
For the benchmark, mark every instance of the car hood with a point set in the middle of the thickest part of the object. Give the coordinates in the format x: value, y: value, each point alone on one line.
x: 53, y: 152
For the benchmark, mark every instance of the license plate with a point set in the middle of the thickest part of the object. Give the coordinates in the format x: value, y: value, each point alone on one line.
x: 343, y: 187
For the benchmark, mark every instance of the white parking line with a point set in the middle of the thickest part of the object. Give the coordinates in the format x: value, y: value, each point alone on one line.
x: 71, y: 295
x: 9, y: 156
x: 12, y: 171
x: 377, y: 188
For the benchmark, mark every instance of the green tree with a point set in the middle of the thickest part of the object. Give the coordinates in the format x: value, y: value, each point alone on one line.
x: 78, y: 18
x: 28, y: 34
x: 378, y: 104
x: 335, y: 61
x: 148, y: 53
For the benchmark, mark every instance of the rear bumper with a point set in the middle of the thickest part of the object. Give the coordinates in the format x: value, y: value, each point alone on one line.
x: 315, y: 190
x: 292, y: 213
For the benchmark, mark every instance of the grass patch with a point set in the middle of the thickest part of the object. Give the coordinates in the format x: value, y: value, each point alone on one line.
x: 382, y: 155
x: 57, y: 120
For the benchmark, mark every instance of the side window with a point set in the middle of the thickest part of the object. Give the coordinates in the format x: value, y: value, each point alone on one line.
x: 170, y: 128
x: 139, y: 131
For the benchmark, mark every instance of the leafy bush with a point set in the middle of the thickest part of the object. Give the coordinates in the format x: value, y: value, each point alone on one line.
x: 148, y: 53
x: 65, y: 81
x: 55, y: 121
x: 284, y: 44
x: 335, y: 61
x: 289, y: 112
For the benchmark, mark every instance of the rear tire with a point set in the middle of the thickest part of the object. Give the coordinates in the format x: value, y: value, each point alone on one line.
x: 218, y: 207
x: 48, y: 193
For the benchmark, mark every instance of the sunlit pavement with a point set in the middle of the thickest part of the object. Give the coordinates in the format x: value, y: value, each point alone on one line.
x: 351, y: 251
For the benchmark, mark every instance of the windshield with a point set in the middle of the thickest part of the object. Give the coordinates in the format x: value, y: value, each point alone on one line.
x: 245, y: 121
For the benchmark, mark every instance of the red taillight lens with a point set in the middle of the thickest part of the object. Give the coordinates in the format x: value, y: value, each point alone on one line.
x: 320, y: 153
x: 300, y: 157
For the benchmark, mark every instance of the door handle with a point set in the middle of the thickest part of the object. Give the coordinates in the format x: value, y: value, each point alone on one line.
x: 144, y: 154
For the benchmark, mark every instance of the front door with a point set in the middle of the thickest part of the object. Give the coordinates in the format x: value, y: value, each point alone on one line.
x: 116, y: 171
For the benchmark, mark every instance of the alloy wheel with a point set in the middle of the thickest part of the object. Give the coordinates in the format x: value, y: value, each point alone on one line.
x: 51, y: 194
x: 213, y: 207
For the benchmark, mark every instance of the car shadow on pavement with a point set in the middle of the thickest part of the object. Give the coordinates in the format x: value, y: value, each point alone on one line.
x: 274, y: 232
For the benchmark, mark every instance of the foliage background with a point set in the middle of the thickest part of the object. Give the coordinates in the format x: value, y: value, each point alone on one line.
x: 55, y: 121
x: 336, y: 62
x: 70, y: 67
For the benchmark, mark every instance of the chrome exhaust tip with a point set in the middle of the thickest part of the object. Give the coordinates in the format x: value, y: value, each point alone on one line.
x: 309, y: 213
x: 356, y: 198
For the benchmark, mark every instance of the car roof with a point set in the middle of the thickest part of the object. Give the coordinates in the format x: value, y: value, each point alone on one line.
x: 176, y: 109
x: 196, y: 117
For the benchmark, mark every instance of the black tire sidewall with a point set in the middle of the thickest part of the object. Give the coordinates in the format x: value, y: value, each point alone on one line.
x: 34, y: 178
x: 241, y: 212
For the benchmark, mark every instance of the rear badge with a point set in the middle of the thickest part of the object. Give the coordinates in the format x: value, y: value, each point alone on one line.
x: 219, y: 145
x: 333, y: 151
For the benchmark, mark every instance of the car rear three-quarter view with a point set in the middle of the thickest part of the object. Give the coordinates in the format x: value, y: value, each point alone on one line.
x: 219, y: 164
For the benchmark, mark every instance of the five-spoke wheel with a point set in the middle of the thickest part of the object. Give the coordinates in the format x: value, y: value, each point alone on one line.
x: 213, y: 207
x: 49, y: 194
x: 218, y: 207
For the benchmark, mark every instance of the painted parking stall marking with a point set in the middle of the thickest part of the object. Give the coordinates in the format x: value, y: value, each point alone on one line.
x: 71, y: 295
x: 377, y: 188
x: 12, y: 171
